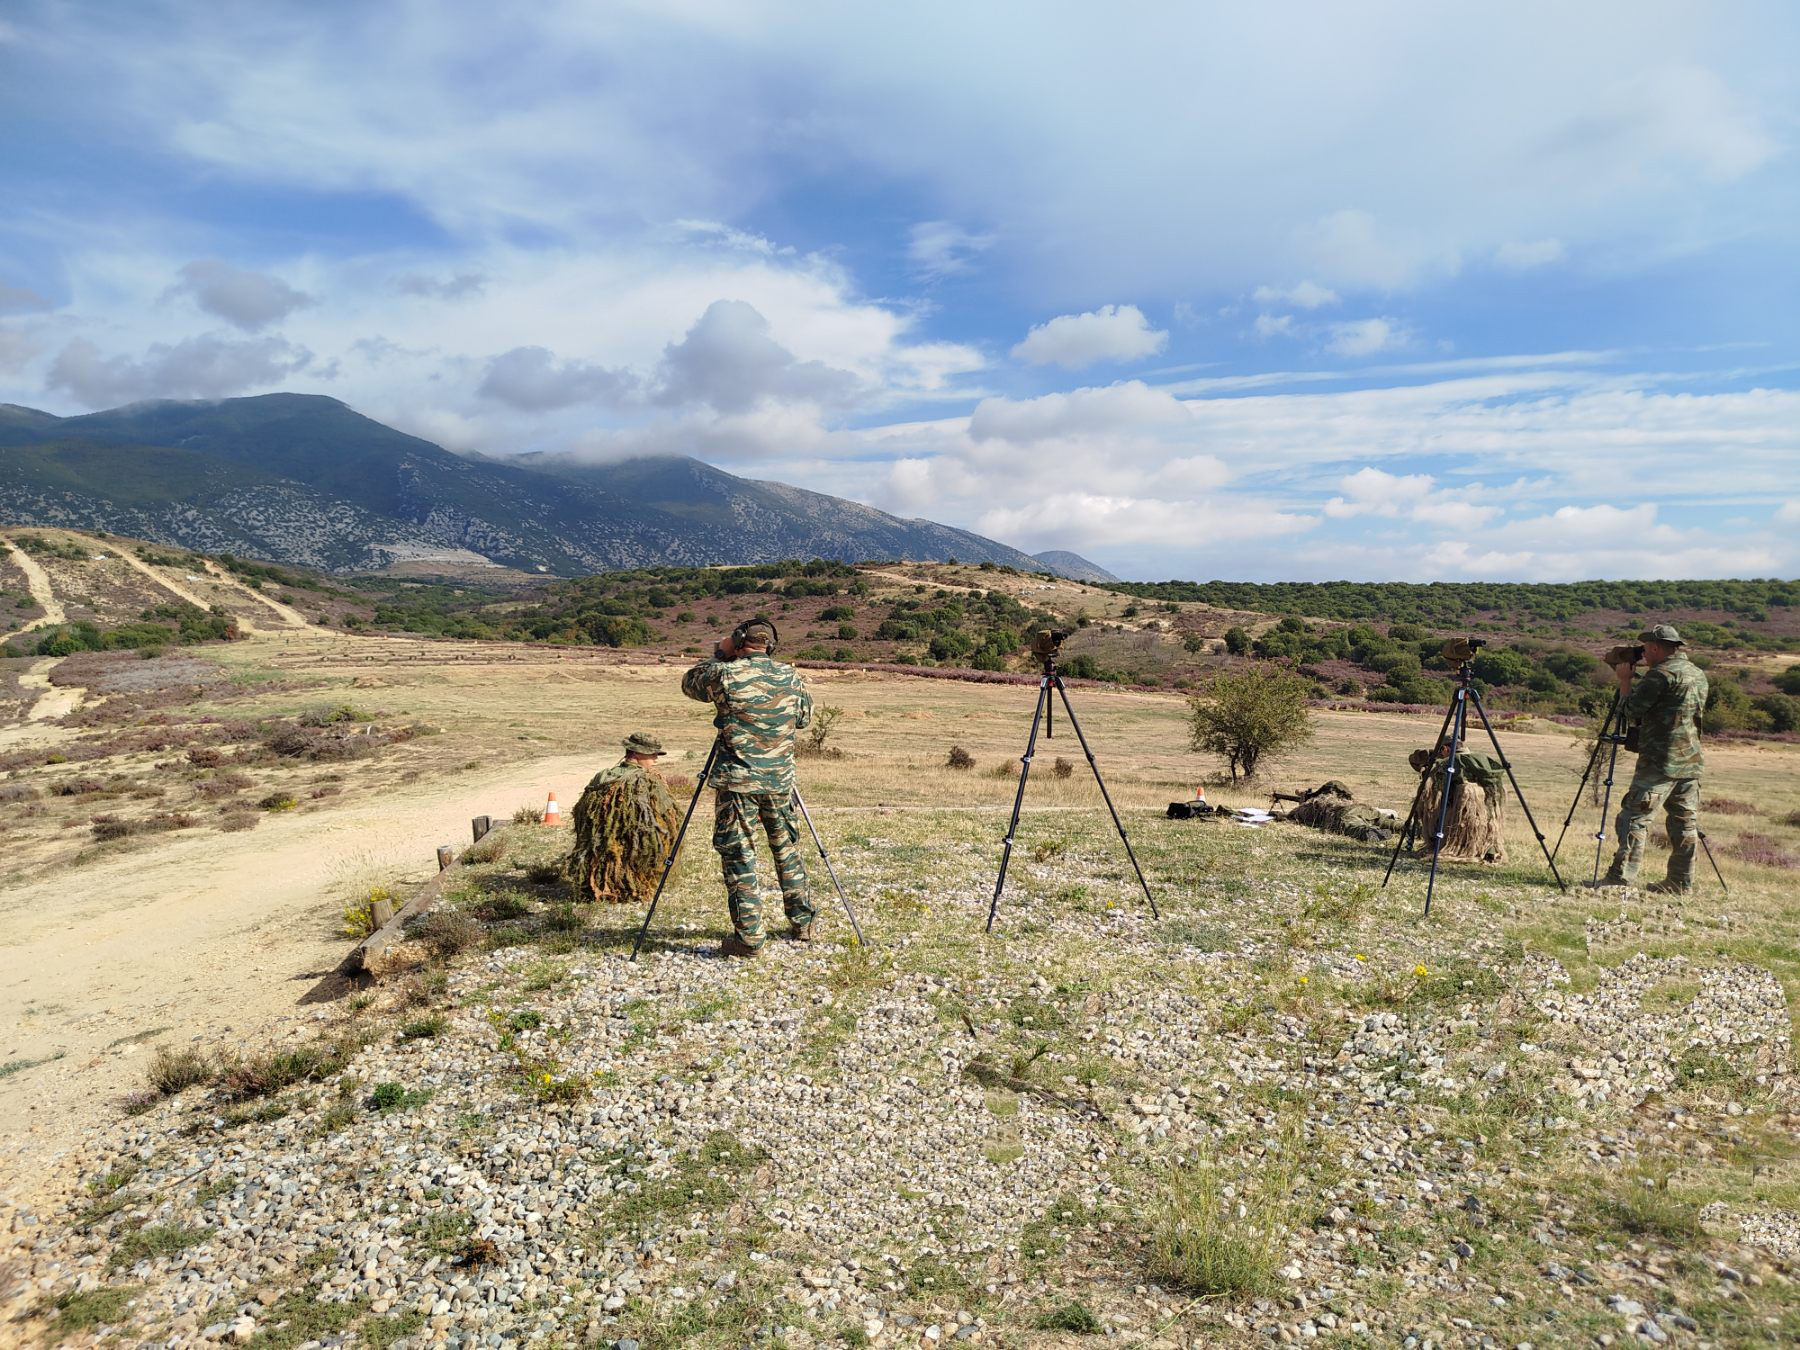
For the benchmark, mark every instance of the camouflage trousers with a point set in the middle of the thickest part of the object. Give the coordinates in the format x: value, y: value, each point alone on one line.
x: 1680, y: 799
x: 735, y: 818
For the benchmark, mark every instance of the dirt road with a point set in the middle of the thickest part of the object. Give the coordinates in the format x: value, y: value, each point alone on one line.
x: 41, y: 592
x: 210, y: 935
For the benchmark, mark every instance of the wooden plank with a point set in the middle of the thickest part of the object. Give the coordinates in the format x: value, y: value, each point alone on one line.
x: 376, y: 952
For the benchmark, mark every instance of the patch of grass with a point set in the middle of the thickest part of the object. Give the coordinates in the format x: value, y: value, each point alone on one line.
x: 541, y: 975
x: 391, y: 1097
x: 704, y: 1181
x: 154, y: 1241
x: 1208, y: 1245
x: 297, y: 1317
x: 92, y: 1308
x: 1072, y: 1317
x: 504, y: 906
x: 445, y: 932
x: 423, y: 1028
x: 215, y: 1190
x: 12, y: 1066
x: 932, y: 1275
x: 380, y: 1332
x: 1643, y: 1206
x: 270, y: 1072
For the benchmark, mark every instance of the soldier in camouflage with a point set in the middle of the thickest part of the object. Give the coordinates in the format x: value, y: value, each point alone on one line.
x: 1666, y: 704
x: 761, y: 703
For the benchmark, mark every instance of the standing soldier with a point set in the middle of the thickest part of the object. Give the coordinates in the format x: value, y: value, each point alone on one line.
x: 761, y: 703
x: 1665, y: 704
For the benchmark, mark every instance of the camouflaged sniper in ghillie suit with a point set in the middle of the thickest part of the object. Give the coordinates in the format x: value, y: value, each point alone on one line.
x: 1666, y: 702
x: 624, y: 825
x: 761, y: 704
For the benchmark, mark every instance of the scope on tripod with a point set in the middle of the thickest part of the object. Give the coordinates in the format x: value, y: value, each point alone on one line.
x: 1462, y: 649
x: 1049, y: 641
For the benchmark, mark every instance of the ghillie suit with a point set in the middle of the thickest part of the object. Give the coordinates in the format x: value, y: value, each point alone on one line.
x: 625, y: 824
x: 1475, y: 829
x: 1330, y: 807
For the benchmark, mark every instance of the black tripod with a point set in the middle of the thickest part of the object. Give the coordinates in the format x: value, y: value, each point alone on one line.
x: 1456, y: 726
x: 675, y: 848
x: 1612, y: 733
x: 1045, y: 713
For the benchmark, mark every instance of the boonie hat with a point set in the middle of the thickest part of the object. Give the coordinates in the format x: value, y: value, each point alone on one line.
x: 1661, y: 633
x: 639, y: 744
x: 758, y: 630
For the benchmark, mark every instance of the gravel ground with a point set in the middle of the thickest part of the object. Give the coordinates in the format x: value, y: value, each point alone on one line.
x: 946, y: 1140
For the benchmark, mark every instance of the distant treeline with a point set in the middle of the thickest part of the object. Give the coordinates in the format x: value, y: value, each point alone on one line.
x: 1449, y: 606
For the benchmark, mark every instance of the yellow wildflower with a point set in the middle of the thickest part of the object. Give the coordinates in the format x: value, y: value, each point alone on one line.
x: 1360, y: 957
x: 1420, y: 971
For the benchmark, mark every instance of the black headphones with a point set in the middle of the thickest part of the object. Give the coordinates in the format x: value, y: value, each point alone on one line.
x: 737, y: 634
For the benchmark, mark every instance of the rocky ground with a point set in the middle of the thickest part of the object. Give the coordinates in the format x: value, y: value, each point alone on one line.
x: 1288, y: 1111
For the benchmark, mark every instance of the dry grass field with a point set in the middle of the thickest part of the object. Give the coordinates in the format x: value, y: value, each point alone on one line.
x: 1291, y: 1109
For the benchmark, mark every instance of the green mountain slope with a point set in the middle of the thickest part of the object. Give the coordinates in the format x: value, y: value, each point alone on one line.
x: 305, y: 479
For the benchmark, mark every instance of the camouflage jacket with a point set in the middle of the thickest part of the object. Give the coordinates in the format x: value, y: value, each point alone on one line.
x: 1666, y: 701
x: 762, y: 702
x: 625, y: 768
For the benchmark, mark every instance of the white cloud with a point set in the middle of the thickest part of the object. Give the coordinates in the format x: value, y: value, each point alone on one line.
x: 208, y: 366
x: 730, y: 362
x: 454, y: 287
x: 533, y: 380
x: 1274, y: 325
x: 1365, y: 337
x: 1356, y: 250
x: 1110, y: 333
x: 1305, y: 295
x: 1788, y: 513
x: 938, y: 248
x: 1085, y: 520
x: 1517, y: 255
x: 249, y: 300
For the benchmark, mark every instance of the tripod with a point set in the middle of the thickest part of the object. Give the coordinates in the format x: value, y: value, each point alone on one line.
x: 1044, y: 713
x: 675, y: 848
x: 1612, y: 734
x: 1456, y: 726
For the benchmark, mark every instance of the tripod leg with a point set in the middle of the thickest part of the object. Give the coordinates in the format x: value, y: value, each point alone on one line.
x: 1714, y: 861
x: 826, y: 857
x: 1105, y: 795
x: 1587, y: 773
x: 675, y: 848
x: 1612, y: 762
x: 1012, y: 828
x: 1506, y: 764
x: 1412, y: 816
x: 1459, y: 725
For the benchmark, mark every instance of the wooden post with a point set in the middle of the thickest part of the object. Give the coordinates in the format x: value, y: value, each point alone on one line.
x: 445, y: 856
x: 480, y: 826
x: 382, y: 909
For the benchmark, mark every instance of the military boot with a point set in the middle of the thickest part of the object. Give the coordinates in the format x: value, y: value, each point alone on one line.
x: 1670, y: 886
x: 733, y: 945
x: 801, y: 932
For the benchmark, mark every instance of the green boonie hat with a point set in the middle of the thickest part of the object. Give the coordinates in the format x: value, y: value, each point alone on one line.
x: 639, y: 744
x: 758, y: 630
x: 1661, y: 633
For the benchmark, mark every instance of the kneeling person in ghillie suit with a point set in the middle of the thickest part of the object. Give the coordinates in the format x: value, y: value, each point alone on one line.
x: 625, y: 824
x: 761, y: 703
x: 1475, y: 826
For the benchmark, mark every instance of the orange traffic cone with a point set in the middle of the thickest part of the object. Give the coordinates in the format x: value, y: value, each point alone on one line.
x: 1200, y: 794
x: 551, y: 815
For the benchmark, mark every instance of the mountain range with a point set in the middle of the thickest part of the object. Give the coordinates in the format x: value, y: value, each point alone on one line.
x: 304, y: 479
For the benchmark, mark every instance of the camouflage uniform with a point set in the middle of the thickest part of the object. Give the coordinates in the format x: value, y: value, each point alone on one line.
x: 1665, y: 701
x: 761, y: 703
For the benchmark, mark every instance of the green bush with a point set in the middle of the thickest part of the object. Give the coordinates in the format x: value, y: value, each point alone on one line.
x: 1247, y: 715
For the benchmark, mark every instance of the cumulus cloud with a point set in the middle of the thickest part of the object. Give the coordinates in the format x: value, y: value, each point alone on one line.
x: 1273, y: 325
x: 1084, y: 520
x: 1304, y: 295
x: 533, y: 380
x: 1605, y: 541
x: 1365, y: 337
x: 440, y: 288
x: 1110, y: 333
x: 209, y: 366
x: 730, y: 362
x: 1416, y: 496
x: 938, y: 248
x: 249, y: 300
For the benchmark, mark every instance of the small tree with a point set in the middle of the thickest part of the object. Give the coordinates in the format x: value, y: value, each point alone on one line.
x: 1246, y: 714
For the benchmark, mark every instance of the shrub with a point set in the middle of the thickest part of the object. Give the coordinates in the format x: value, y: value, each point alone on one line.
x: 1210, y: 1247
x: 446, y: 932
x: 231, y: 822
x: 359, y: 915
x: 17, y: 792
x: 274, y: 1070
x: 1249, y: 714
x: 1062, y: 768
x: 528, y: 815
x: 960, y: 758
x: 205, y: 756
x: 1761, y: 850
x: 174, y: 1071
x: 1729, y: 806
x: 278, y: 801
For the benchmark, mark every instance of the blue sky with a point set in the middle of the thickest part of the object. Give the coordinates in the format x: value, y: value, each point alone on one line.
x: 1391, y: 291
